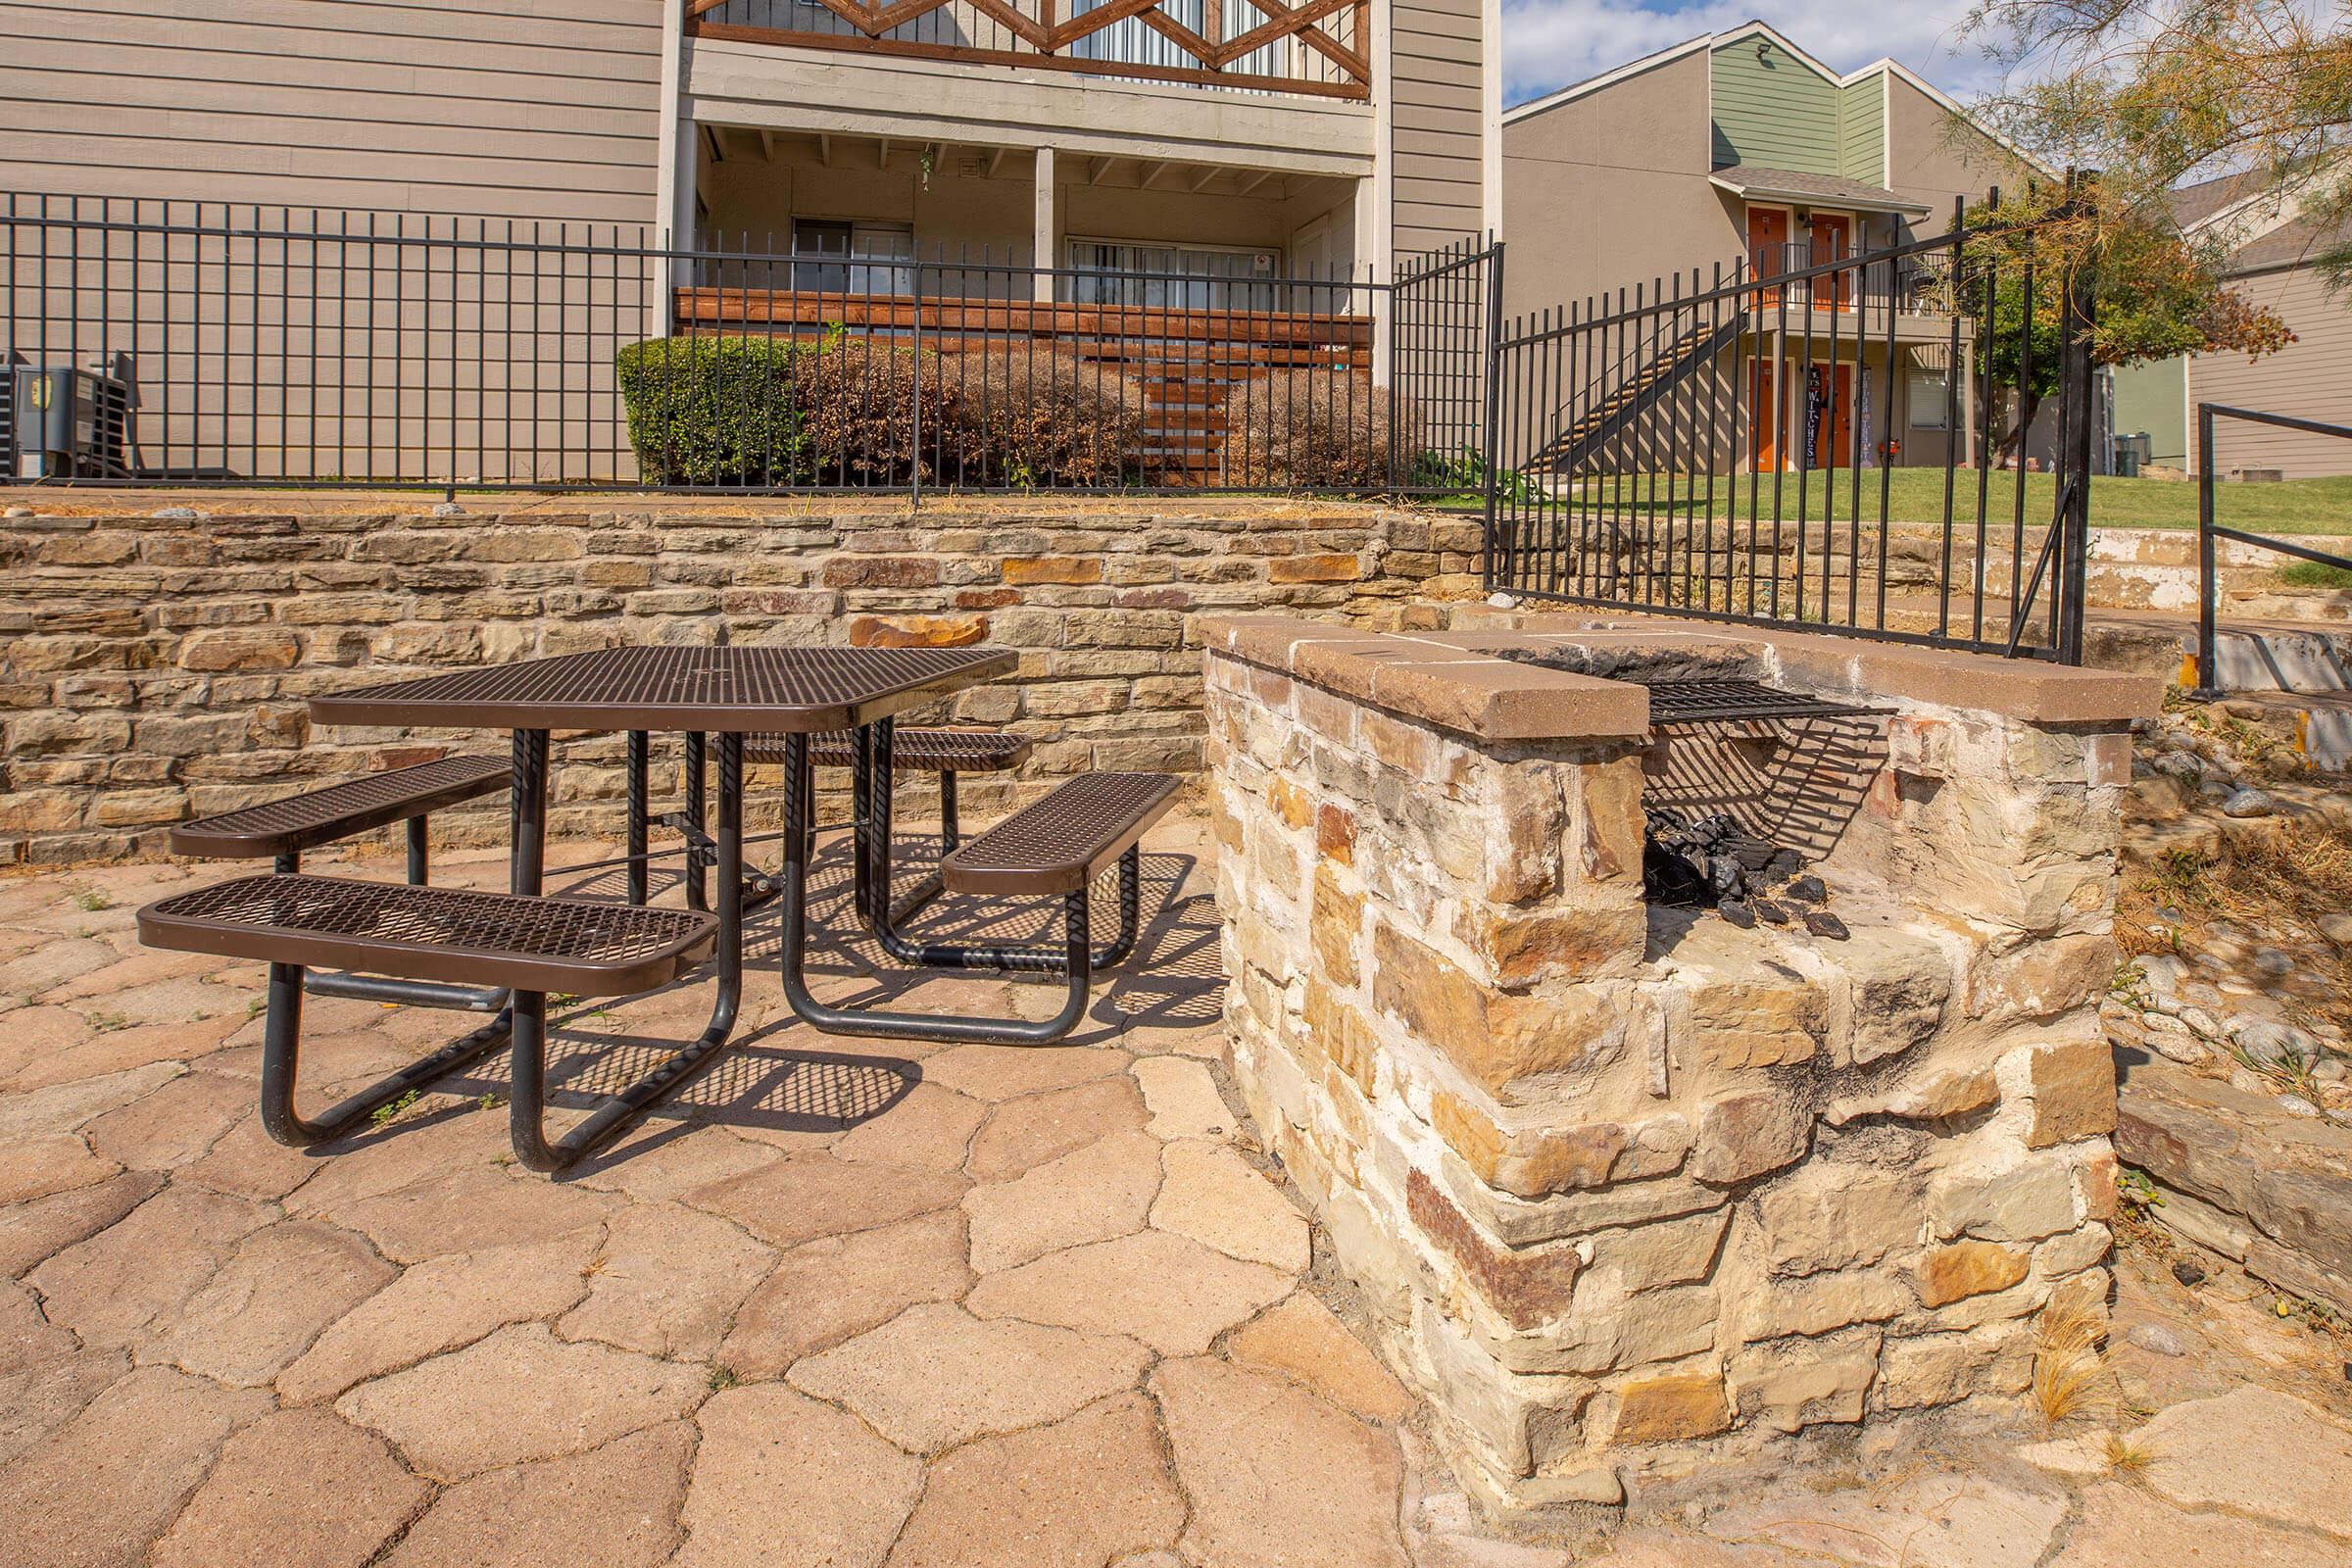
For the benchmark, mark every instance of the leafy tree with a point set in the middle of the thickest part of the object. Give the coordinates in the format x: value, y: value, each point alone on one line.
x: 2155, y: 293
x: 2154, y: 93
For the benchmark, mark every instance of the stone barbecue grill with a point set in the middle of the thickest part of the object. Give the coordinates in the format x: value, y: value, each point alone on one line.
x: 1633, y: 1190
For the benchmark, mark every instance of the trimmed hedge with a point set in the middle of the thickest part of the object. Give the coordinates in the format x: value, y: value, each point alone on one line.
x: 752, y: 411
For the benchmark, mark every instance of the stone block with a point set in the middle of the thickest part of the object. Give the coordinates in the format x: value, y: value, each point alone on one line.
x: 1964, y: 1269
x: 237, y: 648
x: 1745, y: 1136
x: 1672, y: 1407
x: 2073, y: 1091
x: 1525, y: 1286
x: 1831, y: 1216
x: 1496, y: 1037
x: 1793, y: 1384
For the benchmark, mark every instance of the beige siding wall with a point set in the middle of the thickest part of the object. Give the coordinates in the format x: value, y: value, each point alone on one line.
x: 506, y: 108
x: 1437, y: 110
x: 2310, y: 379
x: 1611, y: 188
x: 1934, y: 161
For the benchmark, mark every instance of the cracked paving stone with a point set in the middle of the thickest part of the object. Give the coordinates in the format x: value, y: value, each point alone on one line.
x: 1024, y: 1134
x: 781, y: 1481
x: 517, y: 1396
x: 2253, y: 1452
x: 301, y: 1489
x: 63, y: 1107
x: 1183, y: 1098
x: 1278, y: 1479
x: 935, y: 1376
x: 1302, y: 1339
x: 1213, y: 1196
x: 1928, y: 1522
x: 268, y: 1304
x: 142, y: 1270
x: 26, y: 1336
x: 1000, y: 1072
x: 807, y: 1196
x: 928, y: 1130
x: 1078, y: 1494
x: 467, y: 1209
x: 247, y: 1162
x: 440, y: 1304
x: 39, y: 1398
x: 109, y: 1481
x: 612, y: 1507
x: 120, y: 1050
x: 41, y: 1229
x: 175, y: 1125
x: 661, y: 1163
x: 666, y: 1281
x: 1174, y: 1295
x: 823, y: 1291
x: 1090, y: 1194
x: 47, y: 1163
x: 412, y: 1150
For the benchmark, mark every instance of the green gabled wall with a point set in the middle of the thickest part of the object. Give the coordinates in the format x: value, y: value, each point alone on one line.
x: 1776, y: 111
x: 1781, y: 114
x: 1862, y: 130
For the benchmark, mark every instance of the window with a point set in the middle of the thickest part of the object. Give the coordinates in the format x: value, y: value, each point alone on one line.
x: 849, y: 251
x: 1929, y: 396
x: 1175, y: 277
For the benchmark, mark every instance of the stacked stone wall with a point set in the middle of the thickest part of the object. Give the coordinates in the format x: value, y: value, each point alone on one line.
x: 156, y: 660
x: 1633, y: 1191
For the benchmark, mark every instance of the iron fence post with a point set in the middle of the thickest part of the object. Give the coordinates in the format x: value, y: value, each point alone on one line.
x: 914, y: 466
x: 2081, y: 314
x: 1491, y: 434
x: 2208, y: 682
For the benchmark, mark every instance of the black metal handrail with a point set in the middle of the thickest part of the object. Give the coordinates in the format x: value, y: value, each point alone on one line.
x: 2208, y: 584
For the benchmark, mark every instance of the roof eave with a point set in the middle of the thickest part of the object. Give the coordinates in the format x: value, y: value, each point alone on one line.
x: 1749, y: 190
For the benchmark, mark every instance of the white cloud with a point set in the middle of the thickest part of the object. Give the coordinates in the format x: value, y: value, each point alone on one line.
x: 1549, y: 43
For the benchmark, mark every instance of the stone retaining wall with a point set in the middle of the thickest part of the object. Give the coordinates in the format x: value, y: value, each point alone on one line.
x: 157, y: 658
x: 1633, y: 1191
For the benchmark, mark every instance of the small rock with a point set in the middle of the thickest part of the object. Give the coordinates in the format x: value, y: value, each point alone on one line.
x: 2267, y: 1043
x: 2200, y: 1023
x: 2249, y: 803
x: 17, y: 511
x: 2331, y: 1071
x: 2297, y: 1106
x: 2271, y: 961
x: 1770, y: 913
x: 2216, y: 789
x: 1806, y: 889
x: 2338, y: 929
x: 1738, y: 913
x: 449, y: 509
x: 1822, y: 924
x: 177, y: 515
x: 2180, y: 764
x: 2156, y: 1338
x: 1501, y: 601
x: 2248, y: 1083
x: 2188, y: 1272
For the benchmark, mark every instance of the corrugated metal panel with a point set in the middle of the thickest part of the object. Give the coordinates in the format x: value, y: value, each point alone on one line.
x: 496, y: 107
x: 1772, y: 111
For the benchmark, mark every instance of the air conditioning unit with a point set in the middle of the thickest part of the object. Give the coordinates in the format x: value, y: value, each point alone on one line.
x: 59, y: 423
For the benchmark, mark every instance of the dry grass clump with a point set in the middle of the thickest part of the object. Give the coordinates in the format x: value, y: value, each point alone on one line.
x: 2070, y: 1375
x: 2284, y: 880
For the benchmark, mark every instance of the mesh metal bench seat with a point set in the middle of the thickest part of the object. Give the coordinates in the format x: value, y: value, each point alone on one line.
x: 525, y: 946
x: 450, y: 934
x: 942, y: 751
x: 1063, y: 842
x: 282, y: 829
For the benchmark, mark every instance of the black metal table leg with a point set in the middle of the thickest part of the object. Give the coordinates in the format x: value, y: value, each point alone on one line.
x: 698, y: 886
x: 420, y: 859
x: 638, y: 808
x: 526, y: 1111
x: 281, y: 1045
x: 1075, y: 961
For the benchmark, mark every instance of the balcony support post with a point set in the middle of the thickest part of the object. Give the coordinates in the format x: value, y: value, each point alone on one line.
x: 1045, y: 247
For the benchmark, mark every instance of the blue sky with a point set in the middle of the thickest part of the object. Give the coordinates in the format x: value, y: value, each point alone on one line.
x: 1548, y: 43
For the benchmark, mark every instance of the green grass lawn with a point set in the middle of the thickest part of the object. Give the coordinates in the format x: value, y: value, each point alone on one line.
x: 1916, y: 495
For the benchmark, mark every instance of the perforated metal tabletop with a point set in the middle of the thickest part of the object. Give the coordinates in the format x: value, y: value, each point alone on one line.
x: 740, y: 690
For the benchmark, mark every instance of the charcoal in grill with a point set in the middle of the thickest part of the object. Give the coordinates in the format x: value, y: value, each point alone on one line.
x: 1822, y: 924
x: 1806, y: 889
x: 1736, y: 911
x: 1770, y: 913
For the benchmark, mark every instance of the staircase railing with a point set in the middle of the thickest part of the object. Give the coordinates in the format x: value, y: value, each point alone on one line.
x: 2208, y: 531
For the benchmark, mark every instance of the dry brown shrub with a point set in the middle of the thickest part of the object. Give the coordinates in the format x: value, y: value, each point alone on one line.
x: 858, y: 410
x: 1024, y: 415
x: 1318, y: 430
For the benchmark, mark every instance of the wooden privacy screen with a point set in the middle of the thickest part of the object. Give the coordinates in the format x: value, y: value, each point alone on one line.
x: 1345, y: 70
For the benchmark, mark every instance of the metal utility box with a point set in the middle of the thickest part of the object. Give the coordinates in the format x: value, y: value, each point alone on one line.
x: 64, y: 424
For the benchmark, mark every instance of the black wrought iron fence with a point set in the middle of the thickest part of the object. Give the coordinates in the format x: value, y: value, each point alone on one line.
x: 2210, y: 529
x: 218, y: 345
x: 1862, y: 444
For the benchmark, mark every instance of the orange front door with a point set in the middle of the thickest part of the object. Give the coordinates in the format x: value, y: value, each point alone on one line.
x: 1764, y: 420
x: 1833, y: 241
x: 1767, y: 246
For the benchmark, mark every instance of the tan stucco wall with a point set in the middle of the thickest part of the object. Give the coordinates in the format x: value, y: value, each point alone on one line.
x: 1935, y: 162
x: 1611, y: 189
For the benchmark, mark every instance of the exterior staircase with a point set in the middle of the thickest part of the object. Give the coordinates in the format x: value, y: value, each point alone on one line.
x: 1668, y: 368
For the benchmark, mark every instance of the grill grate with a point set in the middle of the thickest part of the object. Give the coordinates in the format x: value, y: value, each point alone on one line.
x: 1708, y: 702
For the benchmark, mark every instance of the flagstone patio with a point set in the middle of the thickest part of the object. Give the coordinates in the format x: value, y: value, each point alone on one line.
x: 849, y: 1302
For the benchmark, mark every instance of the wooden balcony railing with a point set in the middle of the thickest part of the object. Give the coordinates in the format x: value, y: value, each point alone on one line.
x: 1321, y: 48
